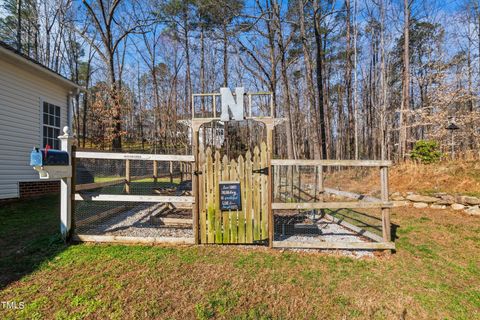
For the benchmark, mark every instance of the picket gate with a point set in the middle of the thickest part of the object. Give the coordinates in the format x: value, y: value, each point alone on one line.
x: 248, y: 225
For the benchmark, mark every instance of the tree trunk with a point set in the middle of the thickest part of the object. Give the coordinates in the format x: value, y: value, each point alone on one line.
x: 309, y: 77
x: 225, y: 53
x: 116, y: 114
x: 348, y: 85
x: 19, y: 26
x: 285, y: 83
x: 405, y: 106
x: 321, y: 130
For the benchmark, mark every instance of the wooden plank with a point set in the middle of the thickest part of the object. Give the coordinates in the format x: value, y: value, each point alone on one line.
x: 218, y: 214
x: 172, y: 222
x: 386, y: 228
x: 241, y: 214
x: 336, y: 245
x: 208, y: 195
x: 330, y: 163
x: 72, y: 193
x: 127, y: 176
x: 321, y: 183
x: 248, y: 198
x: 264, y: 194
x: 270, y: 181
x: 352, y: 227
x: 256, y: 196
x: 202, y: 211
x: 155, y: 171
x: 134, y: 198
x: 225, y: 215
x: 134, y: 156
x: 195, y: 212
x: 329, y: 205
x: 233, y: 215
x: 212, y: 224
x: 133, y: 240
x: 100, y: 216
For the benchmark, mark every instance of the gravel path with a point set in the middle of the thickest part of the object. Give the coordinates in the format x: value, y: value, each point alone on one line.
x: 136, y: 223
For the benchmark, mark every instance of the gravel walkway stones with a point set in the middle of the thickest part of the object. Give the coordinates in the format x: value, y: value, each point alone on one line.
x: 136, y: 223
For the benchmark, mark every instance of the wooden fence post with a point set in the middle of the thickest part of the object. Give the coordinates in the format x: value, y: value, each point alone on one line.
x: 321, y: 183
x: 171, y: 171
x: 127, y: 176
x: 195, y: 184
x: 72, y: 188
x: 155, y: 171
x: 269, y: 184
x: 386, y: 232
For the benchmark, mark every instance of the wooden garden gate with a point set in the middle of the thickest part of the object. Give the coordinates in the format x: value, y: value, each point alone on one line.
x: 250, y: 223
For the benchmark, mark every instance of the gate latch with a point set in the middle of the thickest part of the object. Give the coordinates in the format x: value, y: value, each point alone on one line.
x: 263, y: 171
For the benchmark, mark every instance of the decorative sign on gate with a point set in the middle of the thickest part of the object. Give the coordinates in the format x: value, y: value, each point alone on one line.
x: 230, y: 196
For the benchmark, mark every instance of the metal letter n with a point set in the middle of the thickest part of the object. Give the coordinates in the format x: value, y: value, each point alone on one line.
x: 230, y: 105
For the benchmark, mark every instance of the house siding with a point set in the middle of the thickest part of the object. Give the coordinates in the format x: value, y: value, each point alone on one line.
x: 21, y: 93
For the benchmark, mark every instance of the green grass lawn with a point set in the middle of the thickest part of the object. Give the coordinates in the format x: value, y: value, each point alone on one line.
x: 435, y: 274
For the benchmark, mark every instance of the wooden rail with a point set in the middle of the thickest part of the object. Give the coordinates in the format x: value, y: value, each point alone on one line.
x: 133, y: 240
x: 134, y: 198
x: 331, y: 163
x: 329, y: 205
x: 133, y: 156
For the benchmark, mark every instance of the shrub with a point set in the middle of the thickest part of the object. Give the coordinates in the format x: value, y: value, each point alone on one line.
x: 426, y: 151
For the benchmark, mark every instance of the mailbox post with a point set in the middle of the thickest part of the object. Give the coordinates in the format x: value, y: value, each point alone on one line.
x: 66, y: 188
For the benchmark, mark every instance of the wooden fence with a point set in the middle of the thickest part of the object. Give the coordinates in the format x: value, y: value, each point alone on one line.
x: 249, y: 225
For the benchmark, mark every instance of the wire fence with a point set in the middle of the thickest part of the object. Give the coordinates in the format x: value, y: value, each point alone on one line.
x: 134, y: 198
x: 313, y: 212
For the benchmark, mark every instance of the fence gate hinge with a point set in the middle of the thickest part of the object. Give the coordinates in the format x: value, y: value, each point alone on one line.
x: 263, y: 171
x: 197, y: 173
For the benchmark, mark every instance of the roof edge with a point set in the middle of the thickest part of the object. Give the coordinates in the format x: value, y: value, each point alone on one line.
x: 10, y: 51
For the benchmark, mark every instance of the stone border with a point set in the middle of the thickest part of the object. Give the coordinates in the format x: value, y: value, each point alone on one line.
x: 440, y: 200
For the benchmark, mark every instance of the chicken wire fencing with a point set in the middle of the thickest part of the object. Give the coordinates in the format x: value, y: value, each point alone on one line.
x: 132, y: 197
x: 298, y: 219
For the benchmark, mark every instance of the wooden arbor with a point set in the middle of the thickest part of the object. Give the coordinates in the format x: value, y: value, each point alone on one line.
x: 196, y: 123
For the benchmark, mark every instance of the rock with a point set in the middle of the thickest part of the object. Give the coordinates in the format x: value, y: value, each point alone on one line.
x: 397, y: 197
x: 420, y: 205
x: 472, y: 201
x: 438, y: 206
x: 420, y: 198
x: 443, y: 202
x: 440, y: 194
x: 401, y: 203
x: 473, y: 211
x: 448, y: 199
x: 457, y: 206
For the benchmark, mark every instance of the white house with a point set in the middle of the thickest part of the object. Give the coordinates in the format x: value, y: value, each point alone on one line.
x: 35, y: 103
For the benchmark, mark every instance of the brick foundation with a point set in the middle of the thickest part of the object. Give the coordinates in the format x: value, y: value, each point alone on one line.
x: 33, y: 189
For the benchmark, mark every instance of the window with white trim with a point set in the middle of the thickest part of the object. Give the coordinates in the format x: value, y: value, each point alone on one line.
x: 51, y: 125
